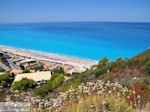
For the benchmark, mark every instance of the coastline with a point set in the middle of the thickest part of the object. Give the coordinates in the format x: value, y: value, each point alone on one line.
x: 78, y: 63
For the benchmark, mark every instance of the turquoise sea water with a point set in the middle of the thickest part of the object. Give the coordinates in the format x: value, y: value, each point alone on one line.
x: 88, y: 40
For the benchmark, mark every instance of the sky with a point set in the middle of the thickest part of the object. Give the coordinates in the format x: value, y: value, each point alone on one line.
x: 26, y: 11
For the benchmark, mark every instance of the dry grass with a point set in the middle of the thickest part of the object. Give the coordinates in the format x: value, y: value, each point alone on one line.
x: 99, y: 103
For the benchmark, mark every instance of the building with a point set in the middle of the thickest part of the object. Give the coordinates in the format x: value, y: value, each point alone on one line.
x: 29, y: 63
x: 15, y: 71
x: 37, y: 76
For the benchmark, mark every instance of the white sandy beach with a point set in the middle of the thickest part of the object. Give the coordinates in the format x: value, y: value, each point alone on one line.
x: 79, y: 64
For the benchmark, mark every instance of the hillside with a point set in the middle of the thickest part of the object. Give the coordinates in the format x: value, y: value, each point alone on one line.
x: 128, y: 69
x: 118, y: 86
x: 130, y: 73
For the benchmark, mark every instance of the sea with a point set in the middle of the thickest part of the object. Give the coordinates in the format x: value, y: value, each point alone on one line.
x: 87, y: 40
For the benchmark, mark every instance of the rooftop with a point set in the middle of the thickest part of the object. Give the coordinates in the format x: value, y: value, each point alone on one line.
x: 27, y: 60
x: 37, y: 76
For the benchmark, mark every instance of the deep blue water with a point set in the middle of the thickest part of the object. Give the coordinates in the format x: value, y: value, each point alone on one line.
x: 89, y: 40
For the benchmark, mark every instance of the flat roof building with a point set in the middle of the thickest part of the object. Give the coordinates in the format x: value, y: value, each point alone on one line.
x: 37, y: 76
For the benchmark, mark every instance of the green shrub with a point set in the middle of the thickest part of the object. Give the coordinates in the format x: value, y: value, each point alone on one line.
x: 131, y: 62
x: 74, y: 82
x: 26, y: 71
x: 146, y: 80
x: 143, y: 61
x: 103, y: 62
x: 6, y: 79
x: 66, y: 74
x: 59, y: 70
x: 126, y: 84
x: 2, y: 70
x: 53, y: 83
x: 137, y: 82
x: 118, y: 59
x: 147, y: 68
x: 103, y: 66
x: 38, y: 68
x: 148, y: 88
x: 23, y: 85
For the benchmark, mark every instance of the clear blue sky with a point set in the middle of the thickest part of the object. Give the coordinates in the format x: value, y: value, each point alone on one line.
x: 20, y: 11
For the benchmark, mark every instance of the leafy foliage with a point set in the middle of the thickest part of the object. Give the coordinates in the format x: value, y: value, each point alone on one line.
x: 26, y: 71
x: 2, y: 70
x: 119, y: 59
x: 66, y: 74
x: 140, y: 95
x: 6, y: 79
x: 103, y: 67
x: 53, y: 83
x: 38, y: 68
x: 103, y: 62
x: 59, y: 70
x: 23, y: 85
x: 74, y: 82
x: 147, y: 68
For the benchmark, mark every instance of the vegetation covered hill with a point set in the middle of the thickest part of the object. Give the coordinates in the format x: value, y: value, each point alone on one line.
x: 116, y: 86
x: 133, y: 74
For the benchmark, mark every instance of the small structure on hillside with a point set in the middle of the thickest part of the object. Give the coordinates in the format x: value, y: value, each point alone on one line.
x: 29, y: 63
x: 38, y: 77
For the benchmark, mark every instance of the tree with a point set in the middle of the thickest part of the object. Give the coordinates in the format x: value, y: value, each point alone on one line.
x: 147, y: 68
x: 2, y: 70
x: 59, y: 70
x: 6, y: 79
x: 67, y: 74
x: 103, y: 62
x: 26, y: 71
x: 53, y: 83
x: 119, y: 59
x: 23, y: 85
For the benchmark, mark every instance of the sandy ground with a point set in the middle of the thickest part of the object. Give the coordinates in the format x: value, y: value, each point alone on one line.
x: 80, y: 65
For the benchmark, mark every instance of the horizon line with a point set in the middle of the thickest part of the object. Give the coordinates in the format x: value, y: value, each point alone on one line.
x: 75, y: 21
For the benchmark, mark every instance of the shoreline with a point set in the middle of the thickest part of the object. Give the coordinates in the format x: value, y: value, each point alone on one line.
x: 78, y: 63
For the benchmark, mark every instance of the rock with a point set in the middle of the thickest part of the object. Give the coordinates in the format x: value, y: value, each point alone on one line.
x: 16, y: 91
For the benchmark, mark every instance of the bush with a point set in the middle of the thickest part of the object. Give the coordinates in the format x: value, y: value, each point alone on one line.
x: 143, y: 61
x: 126, y: 84
x: 148, y: 88
x: 74, y: 82
x: 2, y: 70
x: 103, y: 66
x: 38, y: 68
x: 137, y: 82
x: 59, y: 70
x: 103, y: 62
x: 118, y: 59
x: 66, y: 74
x: 23, y: 85
x: 131, y: 62
x: 26, y: 71
x: 147, y: 68
x: 53, y: 83
x: 6, y: 79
